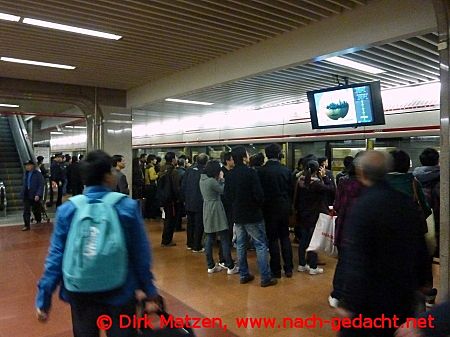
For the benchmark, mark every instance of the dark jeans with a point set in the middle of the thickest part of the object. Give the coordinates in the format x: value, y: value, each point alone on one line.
x: 277, y: 230
x: 28, y: 205
x: 169, y: 223
x: 60, y: 194
x: 195, y: 230
x: 305, y: 235
x: 229, y: 213
x: 338, y: 279
x: 210, y: 240
x: 86, y: 312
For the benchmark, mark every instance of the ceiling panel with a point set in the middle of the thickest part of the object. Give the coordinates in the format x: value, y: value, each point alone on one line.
x: 407, y: 62
x: 160, y: 37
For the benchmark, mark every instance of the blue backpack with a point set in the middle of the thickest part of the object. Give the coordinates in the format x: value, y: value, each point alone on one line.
x: 96, y: 257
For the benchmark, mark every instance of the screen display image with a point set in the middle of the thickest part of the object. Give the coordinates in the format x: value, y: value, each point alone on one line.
x: 344, y: 106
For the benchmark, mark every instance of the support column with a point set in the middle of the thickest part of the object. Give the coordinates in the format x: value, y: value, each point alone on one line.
x: 442, y: 10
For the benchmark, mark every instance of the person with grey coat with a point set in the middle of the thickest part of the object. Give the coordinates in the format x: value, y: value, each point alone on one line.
x: 214, y: 217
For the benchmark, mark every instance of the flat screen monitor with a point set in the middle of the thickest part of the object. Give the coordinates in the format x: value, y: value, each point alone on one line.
x: 350, y: 105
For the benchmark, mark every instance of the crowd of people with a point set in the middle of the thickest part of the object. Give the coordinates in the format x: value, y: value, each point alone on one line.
x: 384, y: 266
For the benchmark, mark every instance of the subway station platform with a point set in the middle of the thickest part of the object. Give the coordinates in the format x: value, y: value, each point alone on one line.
x: 182, y: 279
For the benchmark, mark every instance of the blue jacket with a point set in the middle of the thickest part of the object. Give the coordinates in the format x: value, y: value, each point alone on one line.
x: 36, y: 185
x: 139, y: 255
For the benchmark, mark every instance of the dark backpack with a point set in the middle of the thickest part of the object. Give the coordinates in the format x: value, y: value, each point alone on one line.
x: 165, y: 193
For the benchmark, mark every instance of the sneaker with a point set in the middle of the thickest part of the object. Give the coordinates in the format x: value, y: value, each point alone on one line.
x: 315, y: 271
x: 170, y: 244
x: 430, y: 298
x: 216, y: 269
x: 188, y: 248
x: 246, y: 279
x: 198, y: 251
x: 269, y: 283
x: 25, y: 228
x: 233, y: 270
x: 303, y: 268
x: 333, y: 302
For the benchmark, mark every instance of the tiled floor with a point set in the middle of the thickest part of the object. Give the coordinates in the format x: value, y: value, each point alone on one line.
x: 180, y: 274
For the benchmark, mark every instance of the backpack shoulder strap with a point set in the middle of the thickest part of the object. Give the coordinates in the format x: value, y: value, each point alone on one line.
x: 79, y: 201
x: 113, y: 198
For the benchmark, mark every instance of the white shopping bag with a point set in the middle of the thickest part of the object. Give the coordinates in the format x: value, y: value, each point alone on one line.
x: 323, y: 236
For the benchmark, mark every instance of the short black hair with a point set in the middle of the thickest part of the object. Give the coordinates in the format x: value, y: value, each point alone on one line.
x: 347, y: 161
x: 308, y: 158
x: 40, y: 159
x: 169, y: 157
x: 68, y: 157
x: 117, y: 158
x: 182, y: 156
x: 158, y: 159
x: 239, y: 153
x: 202, y: 159
x: 257, y: 160
x: 212, y: 168
x: 227, y: 157
x: 401, y: 161
x: 151, y: 157
x: 181, y: 162
x: 273, y: 151
x: 429, y: 157
x: 143, y: 155
x: 322, y: 160
x: 94, y: 168
x: 74, y: 159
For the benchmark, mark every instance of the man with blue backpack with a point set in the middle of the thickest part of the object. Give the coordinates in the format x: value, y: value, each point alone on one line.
x: 99, y: 254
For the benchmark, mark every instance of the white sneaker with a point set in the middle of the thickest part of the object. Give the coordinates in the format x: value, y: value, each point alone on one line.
x: 333, y: 302
x: 216, y: 269
x: 234, y: 270
x: 303, y: 268
x: 315, y: 271
x: 198, y: 251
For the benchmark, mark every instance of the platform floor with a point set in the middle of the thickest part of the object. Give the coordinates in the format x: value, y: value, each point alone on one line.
x: 183, y: 279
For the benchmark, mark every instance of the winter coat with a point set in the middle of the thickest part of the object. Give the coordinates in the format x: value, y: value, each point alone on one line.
x: 36, y: 187
x: 214, y: 216
x: 429, y: 177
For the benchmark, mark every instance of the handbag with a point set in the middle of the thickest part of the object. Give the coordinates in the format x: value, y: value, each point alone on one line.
x: 323, y: 236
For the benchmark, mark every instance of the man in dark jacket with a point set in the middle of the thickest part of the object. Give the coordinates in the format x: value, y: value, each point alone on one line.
x: 194, y: 203
x: 277, y: 184
x: 429, y: 175
x: 31, y: 194
x: 75, y: 177
x: 383, y: 251
x: 57, y: 174
x: 169, y: 195
x: 244, y: 190
x: 181, y: 212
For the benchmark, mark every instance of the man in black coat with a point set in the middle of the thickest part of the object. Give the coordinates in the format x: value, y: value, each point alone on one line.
x: 31, y: 194
x: 193, y: 199
x: 244, y: 190
x: 277, y: 184
x: 383, y: 252
x: 57, y: 176
x: 75, y: 177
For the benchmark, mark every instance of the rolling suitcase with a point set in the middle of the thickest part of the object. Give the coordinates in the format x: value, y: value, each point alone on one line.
x: 164, y: 331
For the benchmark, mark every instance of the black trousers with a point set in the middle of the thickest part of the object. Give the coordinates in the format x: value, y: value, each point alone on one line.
x: 169, y: 223
x: 85, y: 313
x: 277, y: 231
x: 179, y: 209
x: 195, y: 230
x: 190, y: 229
x: 28, y: 206
x: 60, y: 193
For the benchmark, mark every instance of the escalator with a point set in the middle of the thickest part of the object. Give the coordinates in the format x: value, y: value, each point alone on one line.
x: 11, y: 170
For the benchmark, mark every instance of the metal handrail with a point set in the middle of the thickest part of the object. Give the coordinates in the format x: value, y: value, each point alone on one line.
x: 21, y: 139
x: 3, y: 200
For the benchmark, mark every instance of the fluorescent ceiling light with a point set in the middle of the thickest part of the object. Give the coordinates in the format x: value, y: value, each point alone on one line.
x: 355, y: 65
x: 56, y: 133
x: 186, y: 101
x: 2, y: 105
x: 37, y: 63
x: 9, y: 17
x: 75, y: 127
x: 72, y: 29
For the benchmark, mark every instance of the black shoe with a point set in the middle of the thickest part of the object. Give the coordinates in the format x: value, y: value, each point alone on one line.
x: 170, y: 244
x: 179, y: 230
x: 247, y: 279
x: 288, y: 274
x: 25, y: 228
x: 272, y: 282
x: 276, y: 275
